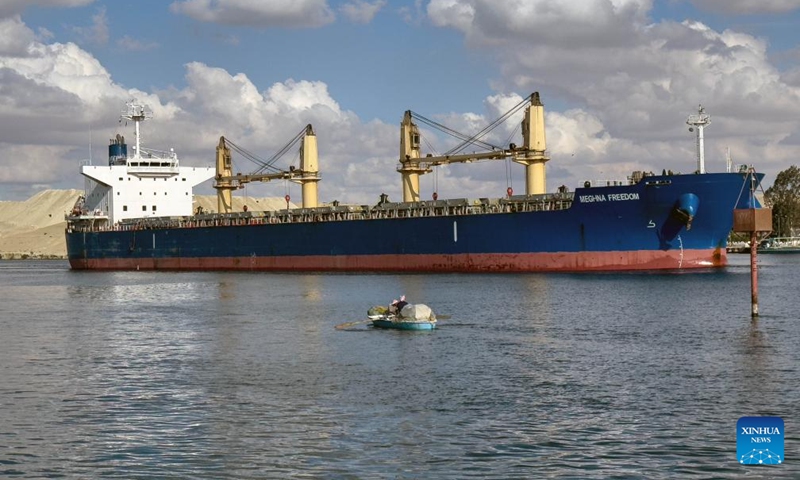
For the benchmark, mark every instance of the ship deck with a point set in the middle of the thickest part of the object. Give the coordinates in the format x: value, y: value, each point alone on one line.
x: 336, y: 213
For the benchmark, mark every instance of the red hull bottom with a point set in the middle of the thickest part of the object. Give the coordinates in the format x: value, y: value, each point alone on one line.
x: 519, y: 262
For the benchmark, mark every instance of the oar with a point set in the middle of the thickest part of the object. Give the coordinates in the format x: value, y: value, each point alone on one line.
x: 342, y: 326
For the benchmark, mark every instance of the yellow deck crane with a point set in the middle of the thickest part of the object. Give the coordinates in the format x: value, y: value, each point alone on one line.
x: 307, y: 175
x: 532, y: 153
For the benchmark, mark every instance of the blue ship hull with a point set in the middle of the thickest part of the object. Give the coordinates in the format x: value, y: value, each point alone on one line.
x: 630, y: 227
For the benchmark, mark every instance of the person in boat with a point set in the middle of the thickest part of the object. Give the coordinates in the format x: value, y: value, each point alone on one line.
x: 406, y: 312
x: 397, y: 305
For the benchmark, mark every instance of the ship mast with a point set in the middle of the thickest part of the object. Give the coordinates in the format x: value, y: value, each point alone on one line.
x: 224, y: 185
x: 309, y: 168
x: 410, y: 168
x: 728, y: 160
x: 534, y: 145
x: 698, y: 122
x: 137, y: 113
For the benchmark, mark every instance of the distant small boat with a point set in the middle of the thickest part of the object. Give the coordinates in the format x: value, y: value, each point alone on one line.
x: 780, y: 245
x: 390, y: 321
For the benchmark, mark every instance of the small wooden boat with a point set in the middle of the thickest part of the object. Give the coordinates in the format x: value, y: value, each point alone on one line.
x: 401, y: 315
x: 418, y: 317
x: 391, y: 321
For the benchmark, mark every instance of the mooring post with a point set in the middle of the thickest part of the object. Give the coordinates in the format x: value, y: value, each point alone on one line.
x: 754, y: 274
x: 753, y: 220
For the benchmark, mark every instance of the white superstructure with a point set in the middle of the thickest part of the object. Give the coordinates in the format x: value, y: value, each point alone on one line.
x: 150, y: 183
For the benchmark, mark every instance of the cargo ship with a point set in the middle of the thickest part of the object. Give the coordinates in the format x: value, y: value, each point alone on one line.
x: 137, y: 214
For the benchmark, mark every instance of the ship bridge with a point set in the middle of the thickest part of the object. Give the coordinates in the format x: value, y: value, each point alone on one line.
x: 149, y: 183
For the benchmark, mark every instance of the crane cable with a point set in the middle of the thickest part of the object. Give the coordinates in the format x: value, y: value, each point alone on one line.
x: 509, y: 177
x: 268, y: 165
x: 494, y: 124
x: 476, y: 138
x: 451, y: 132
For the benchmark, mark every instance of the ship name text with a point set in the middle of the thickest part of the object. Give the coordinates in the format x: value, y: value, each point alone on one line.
x: 608, y: 197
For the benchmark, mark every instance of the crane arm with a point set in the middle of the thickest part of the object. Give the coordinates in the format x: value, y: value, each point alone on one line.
x: 435, y: 161
x: 240, y: 179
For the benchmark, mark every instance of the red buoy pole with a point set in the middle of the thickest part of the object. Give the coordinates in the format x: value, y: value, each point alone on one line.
x: 753, y: 274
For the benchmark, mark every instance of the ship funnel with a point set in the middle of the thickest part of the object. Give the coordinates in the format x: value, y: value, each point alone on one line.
x: 117, y: 151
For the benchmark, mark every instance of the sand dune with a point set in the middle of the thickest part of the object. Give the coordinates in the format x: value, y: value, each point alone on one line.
x: 34, y: 228
x: 209, y: 203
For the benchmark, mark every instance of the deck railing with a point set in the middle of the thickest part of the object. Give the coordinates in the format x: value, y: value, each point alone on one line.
x: 339, y: 213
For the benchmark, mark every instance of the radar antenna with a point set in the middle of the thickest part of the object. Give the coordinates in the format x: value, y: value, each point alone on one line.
x: 137, y: 113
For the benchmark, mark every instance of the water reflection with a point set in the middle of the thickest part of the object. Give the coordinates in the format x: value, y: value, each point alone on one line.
x: 242, y: 375
x: 312, y: 289
x: 754, y: 358
x: 226, y: 290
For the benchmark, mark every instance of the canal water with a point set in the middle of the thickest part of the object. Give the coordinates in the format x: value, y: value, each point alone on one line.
x: 243, y: 375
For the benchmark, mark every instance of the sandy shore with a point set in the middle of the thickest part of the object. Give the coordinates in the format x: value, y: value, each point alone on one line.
x: 34, y: 228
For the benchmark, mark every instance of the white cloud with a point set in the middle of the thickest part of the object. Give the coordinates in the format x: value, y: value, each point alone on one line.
x: 360, y: 11
x: 13, y: 7
x: 639, y: 80
x: 15, y: 37
x: 32, y: 164
x: 97, y: 33
x: 302, y: 95
x: 44, y: 34
x: 599, y: 22
x: 227, y: 39
x: 216, y: 103
x: 747, y: 7
x: 236, y: 101
x: 413, y: 15
x: 274, y: 13
x: 55, y: 97
x: 63, y: 68
x: 51, y: 98
x: 131, y: 44
x: 628, y: 84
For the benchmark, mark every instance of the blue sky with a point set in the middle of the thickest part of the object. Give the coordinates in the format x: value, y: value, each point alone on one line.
x: 618, y: 79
